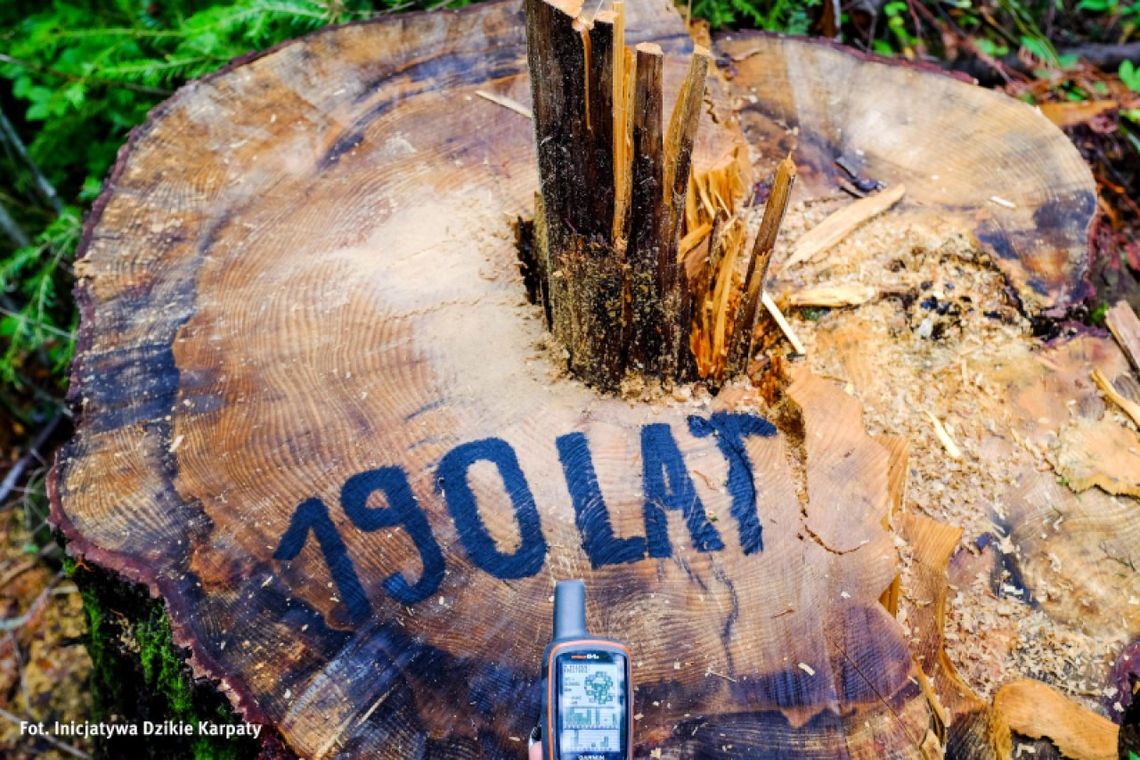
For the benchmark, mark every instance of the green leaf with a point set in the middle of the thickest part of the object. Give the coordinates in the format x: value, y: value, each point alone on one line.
x: 990, y: 48
x: 1039, y: 48
x: 1129, y: 75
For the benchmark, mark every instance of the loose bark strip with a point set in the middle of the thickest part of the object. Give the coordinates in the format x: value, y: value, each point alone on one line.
x: 1125, y: 327
x: 842, y: 223
x: 648, y: 257
x: 774, y: 211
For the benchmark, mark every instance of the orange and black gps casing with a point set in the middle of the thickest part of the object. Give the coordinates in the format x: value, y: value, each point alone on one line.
x: 571, y: 644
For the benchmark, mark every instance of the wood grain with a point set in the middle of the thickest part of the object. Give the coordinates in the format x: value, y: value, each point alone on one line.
x: 1125, y: 327
x: 949, y: 163
x: 381, y: 473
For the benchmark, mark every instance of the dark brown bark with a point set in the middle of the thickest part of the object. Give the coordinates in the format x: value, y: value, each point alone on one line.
x: 613, y: 193
x: 645, y: 251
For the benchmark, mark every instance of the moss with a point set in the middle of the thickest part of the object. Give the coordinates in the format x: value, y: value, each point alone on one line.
x: 138, y: 674
x: 1098, y: 313
x: 813, y: 314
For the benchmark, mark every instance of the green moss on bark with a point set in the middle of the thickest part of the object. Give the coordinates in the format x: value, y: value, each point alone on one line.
x: 139, y: 675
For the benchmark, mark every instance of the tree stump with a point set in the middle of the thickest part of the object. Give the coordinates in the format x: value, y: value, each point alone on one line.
x: 321, y: 419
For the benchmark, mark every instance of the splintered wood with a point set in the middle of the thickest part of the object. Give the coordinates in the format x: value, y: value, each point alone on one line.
x: 1123, y: 390
x: 725, y: 302
x: 638, y: 255
x: 608, y: 219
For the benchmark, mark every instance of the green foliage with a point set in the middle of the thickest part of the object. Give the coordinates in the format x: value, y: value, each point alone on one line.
x: 75, y: 77
x: 1129, y: 74
x: 1127, y: 13
x: 1098, y: 313
x: 138, y: 673
x: 88, y: 71
x: 812, y: 314
x: 33, y: 278
x: 896, y: 14
x: 788, y: 16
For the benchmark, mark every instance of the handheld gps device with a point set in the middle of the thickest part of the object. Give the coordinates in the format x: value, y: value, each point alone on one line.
x: 588, y: 700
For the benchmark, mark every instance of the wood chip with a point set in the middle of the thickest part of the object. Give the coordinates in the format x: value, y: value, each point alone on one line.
x: 833, y: 296
x: 1098, y: 453
x: 843, y: 222
x: 1131, y: 408
x: 777, y: 315
x: 693, y: 238
x: 945, y: 438
x: 506, y: 102
x: 1125, y: 327
x: 1033, y: 709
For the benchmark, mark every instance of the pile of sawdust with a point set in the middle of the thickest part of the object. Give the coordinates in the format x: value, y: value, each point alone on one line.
x: 921, y: 353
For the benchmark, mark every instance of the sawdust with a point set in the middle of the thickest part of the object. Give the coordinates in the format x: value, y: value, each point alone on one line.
x: 924, y: 347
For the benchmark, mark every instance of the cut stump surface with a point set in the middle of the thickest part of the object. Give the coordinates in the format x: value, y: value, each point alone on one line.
x: 320, y: 419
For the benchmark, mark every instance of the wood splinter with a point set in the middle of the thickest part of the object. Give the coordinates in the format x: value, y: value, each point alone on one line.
x: 612, y: 220
x: 726, y: 320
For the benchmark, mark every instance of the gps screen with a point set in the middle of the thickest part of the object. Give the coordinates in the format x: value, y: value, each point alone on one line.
x: 591, y: 705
